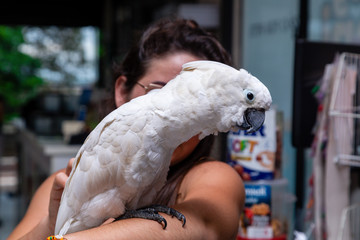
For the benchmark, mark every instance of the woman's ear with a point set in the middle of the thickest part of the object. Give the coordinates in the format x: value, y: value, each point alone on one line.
x: 121, y: 95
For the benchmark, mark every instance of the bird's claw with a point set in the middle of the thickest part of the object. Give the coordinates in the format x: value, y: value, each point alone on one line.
x: 152, y: 213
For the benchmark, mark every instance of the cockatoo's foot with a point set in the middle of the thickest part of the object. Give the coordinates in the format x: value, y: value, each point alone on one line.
x: 152, y: 213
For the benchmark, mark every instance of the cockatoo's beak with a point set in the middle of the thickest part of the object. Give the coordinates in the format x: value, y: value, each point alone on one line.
x: 253, y: 120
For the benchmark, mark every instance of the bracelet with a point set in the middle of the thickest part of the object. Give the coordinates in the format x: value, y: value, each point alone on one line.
x: 57, y: 237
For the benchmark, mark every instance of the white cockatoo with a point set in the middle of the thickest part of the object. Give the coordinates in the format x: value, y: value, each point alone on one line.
x: 123, y: 163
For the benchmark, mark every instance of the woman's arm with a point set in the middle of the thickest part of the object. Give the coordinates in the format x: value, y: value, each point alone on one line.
x: 211, y: 197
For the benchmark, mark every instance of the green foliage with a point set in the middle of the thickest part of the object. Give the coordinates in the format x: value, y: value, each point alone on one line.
x: 18, y: 80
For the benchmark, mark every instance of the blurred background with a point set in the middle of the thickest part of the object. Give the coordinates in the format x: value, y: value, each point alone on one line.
x: 56, y: 62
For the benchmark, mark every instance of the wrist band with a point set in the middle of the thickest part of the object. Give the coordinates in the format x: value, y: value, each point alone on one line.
x: 55, y: 238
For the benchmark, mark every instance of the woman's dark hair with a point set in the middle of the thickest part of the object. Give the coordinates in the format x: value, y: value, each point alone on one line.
x: 164, y: 37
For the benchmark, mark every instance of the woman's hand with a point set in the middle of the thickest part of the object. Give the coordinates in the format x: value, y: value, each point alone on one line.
x: 39, y: 220
x: 56, y: 193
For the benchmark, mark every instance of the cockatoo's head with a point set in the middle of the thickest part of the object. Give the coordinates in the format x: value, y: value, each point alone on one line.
x: 256, y: 98
x: 239, y: 98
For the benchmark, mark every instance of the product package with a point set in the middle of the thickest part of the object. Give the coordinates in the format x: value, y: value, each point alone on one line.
x: 254, y: 155
x: 256, y: 219
x: 268, y: 211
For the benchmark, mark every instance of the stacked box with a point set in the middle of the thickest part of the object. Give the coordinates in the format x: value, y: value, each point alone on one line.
x: 253, y: 155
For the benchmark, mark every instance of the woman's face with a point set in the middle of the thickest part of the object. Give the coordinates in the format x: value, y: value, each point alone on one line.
x: 163, y: 70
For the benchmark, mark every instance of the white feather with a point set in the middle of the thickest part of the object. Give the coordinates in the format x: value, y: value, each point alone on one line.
x: 124, y: 161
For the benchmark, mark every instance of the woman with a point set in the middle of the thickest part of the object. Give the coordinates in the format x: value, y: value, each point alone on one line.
x: 209, y: 193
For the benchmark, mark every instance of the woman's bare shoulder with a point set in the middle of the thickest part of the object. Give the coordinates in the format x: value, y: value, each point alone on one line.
x: 215, y: 194
x: 216, y: 170
x: 213, y: 177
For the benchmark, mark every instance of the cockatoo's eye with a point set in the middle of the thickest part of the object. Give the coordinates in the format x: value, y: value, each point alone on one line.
x: 249, y: 95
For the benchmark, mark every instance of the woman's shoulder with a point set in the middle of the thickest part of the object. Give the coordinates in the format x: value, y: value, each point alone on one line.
x: 213, y: 175
x: 214, y: 169
x: 215, y: 193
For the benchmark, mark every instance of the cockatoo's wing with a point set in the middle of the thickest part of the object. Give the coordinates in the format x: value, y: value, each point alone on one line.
x: 103, y: 169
